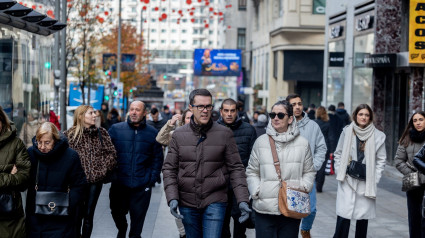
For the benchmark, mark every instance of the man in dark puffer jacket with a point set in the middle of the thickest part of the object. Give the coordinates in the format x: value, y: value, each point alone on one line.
x: 245, y: 136
x: 139, y: 162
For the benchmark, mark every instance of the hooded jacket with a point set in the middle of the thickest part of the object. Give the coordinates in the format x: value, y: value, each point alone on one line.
x: 197, y: 172
x: 260, y: 127
x: 59, y: 169
x: 311, y: 131
x: 343, y: 115
x: 139, y: 155
x: 156, y: 124
x: 13, y: 152
x: 245, y: 136
x: 296, y: 165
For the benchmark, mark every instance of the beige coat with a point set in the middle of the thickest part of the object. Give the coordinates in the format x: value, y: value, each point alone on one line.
x: 164, y: 135
x: 351, y: 202
x: 296, y: 164
x: 28, y: 131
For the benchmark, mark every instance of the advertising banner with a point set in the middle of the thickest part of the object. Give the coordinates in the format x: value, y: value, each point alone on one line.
x: 128, y: 62
x: 417, y: 31
x: 210, y: 62
x: 76, y: 98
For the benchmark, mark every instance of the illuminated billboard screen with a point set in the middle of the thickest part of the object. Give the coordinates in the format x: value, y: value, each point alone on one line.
x: 210, y: 62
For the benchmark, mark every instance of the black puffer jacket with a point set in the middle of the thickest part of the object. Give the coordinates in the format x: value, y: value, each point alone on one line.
x: 325, y: 128
x: 245, y: 136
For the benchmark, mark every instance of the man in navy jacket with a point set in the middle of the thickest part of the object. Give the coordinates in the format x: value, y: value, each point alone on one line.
x: 140, y: 159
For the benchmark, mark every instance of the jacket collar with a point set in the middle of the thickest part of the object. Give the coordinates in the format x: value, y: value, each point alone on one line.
x: 304, y: 121
x: 235, y: 125
x: 141, y: 126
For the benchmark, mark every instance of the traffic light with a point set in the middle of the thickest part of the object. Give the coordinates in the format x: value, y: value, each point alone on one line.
x: 115, y: 91
x: 131, y: 90
x: 106, y: 98
x: 165, y: 76
x: 47, y: 65
x: 108, y: 73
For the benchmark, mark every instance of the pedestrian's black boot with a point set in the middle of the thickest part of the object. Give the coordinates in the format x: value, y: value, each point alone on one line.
x: 122, y: 233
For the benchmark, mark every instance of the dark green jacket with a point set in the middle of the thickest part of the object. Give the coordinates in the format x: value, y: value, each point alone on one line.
x: 13, y: 152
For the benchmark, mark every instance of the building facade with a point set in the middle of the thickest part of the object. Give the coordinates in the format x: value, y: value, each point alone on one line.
x: 286, y: 47
x: 367, y: 61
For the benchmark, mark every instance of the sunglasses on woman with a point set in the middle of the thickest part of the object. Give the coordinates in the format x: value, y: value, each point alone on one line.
x: 279, y: 115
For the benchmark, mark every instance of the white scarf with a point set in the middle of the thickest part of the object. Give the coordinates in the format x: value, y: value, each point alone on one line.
x: 365, y: 134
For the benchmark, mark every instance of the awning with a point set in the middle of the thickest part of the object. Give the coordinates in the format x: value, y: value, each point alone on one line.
x: 19, y: 16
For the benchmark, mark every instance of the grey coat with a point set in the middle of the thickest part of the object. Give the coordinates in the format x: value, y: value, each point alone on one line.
x: 406, y: 155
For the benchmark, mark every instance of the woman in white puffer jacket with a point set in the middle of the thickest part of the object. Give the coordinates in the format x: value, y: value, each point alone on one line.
x: 296, y: 164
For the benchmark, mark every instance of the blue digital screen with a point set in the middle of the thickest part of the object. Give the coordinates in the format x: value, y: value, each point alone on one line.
x: 210, y: 62
x: 96, y: 95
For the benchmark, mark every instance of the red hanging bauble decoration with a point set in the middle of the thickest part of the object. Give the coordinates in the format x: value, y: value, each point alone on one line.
x: 106, y: 13
x: 228, y: 27
x: 207, y: 3
x: 211, y: 9
x: 180, y: 12
x: 207, y: 25
x: 144, y: 8
x: 146, y: 1
x: 156, y: 8
x: 220, y: 13
x: 192, y: 20
x: 34, y: 7
x: 163, y: 16
x: 189, y: 2
x: 191, y: 13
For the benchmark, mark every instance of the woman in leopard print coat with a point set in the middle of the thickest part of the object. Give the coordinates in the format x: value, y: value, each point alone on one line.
x: 98, y: 158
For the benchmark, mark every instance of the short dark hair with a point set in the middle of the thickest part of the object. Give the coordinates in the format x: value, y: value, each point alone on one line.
x: 341, y: 104
x: 292, y: 96
x: 198, y: 92
x: 228, y: 101
x: 360, y: 107
x: 286, y: 105
x: 312, y: 105
x: 166, y: 107
x: 331, y: 108
x: 154, y: 111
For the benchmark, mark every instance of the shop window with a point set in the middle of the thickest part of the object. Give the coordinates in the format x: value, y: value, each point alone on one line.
x: 336, y: 72
x: 362, y: 76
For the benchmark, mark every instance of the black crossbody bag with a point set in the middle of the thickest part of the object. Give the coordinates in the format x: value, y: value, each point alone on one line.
x: 50, y: 203
x: 356, y: 169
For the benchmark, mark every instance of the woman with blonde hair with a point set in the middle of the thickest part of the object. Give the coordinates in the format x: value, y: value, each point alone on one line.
x: 14, y: 174
x: 360, y: 159
x: 55, y: 168
x: 98, y: 158
x: 322, y: 119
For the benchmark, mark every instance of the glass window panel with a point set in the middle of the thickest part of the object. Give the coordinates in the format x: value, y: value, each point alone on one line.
x: 336, y: 76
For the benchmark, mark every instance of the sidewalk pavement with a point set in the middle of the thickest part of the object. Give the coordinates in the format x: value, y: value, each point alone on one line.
x: 391, y: 221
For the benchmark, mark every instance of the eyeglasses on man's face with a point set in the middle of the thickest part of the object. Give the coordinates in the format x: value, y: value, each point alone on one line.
x: 279, y: 115
x: 209, y: 107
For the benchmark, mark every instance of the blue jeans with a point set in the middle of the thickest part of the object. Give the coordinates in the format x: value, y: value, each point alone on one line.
x: 206, y: 222
x: 307, y: 222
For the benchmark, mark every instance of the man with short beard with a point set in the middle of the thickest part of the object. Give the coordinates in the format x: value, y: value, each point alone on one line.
x: 139, y: 162
x: 245, y: 136
x: 311, y: 131
x: 202, y: 159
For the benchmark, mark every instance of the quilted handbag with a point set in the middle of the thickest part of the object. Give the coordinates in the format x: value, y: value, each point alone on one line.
x: 293, y: 203
x: 411, y: 180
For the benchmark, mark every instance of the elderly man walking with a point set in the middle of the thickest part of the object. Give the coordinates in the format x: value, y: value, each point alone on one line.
x: 139, y: 162
x: 203, y: 156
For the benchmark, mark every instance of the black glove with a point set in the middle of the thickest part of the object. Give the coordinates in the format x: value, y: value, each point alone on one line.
x: 173, y: 209
x: 243, y: 206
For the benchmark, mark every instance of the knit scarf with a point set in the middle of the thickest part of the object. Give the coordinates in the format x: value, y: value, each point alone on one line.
x: 200, y: 129
x: 364, y: 134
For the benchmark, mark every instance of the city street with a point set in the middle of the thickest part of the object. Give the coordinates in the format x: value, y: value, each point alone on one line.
x: 391, y: 221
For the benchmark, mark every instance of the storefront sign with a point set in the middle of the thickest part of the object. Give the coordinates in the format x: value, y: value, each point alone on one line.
x: 319, y: 6
x: 417, y: 31
x: 365, y: 22
x: 336, y: 59
x: 380, y: 60
x: 336, y: 31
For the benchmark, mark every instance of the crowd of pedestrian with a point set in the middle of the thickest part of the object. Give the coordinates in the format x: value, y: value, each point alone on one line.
x: 217, y: 166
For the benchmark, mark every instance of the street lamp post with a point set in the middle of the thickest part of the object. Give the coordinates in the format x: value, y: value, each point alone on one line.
x: 63, y: 71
